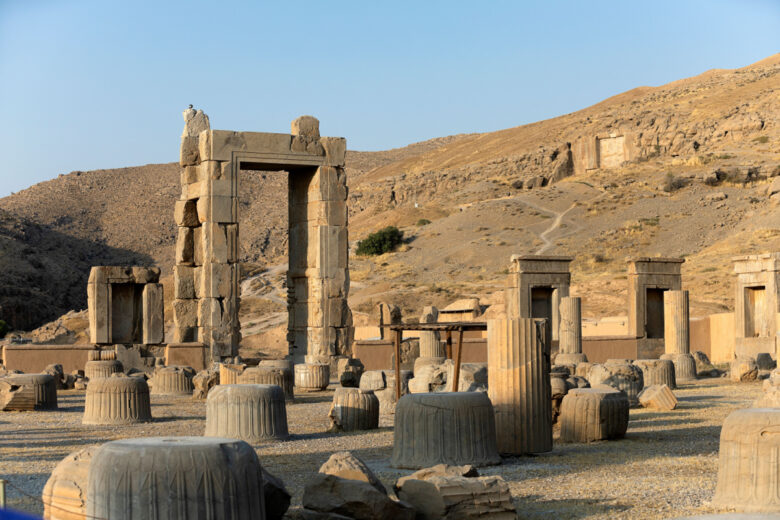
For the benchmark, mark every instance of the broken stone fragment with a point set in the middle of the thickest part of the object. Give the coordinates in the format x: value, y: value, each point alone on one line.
x: 344, y: 464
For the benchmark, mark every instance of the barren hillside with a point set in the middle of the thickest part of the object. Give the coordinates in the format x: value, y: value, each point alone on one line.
x: 701, y: 153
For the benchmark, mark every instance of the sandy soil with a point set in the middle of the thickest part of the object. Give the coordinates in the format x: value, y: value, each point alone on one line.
x: 664, y: 468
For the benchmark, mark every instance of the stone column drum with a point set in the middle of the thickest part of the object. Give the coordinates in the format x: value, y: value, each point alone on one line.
x: 176, y: 478
x: 173, y: 380
x: 519, y: 385
x: 312, y: 377
x: 252, y: 413
x: 749, y: 460
x: 102, y: 368
x: 453, y: 428
x: 677, y: 338
x: 354, y: 409
x: 228, y: 373
x: 593, y: 414
x: 268, y: 375
x: 117, y: 400
x: 620, y: 376
x: 657, y: 372
x: 430, y: 342
x: 65, y: 493
x: 684, y: 366
x: 570, y: 332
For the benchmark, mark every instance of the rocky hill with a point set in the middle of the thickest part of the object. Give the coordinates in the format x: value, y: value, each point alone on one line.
x: 677, y: 170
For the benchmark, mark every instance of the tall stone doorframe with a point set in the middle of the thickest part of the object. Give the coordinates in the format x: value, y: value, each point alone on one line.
x: 756, y: 303
x: 207, y: 271
x: 125, y: 305
x: 648, y: 279
x: 536, y: 286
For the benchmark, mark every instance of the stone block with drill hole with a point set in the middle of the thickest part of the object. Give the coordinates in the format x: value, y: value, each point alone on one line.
x: 657, y: 372
x: 102, y: 368
x: 684, y: 367
x: 620, y: 376
x: 593, y: 414
x: 250, y: 412
x: 354, y: 409
x: 175, y: 477
x: 444, y: 428
x: 344, y: 464
x: 228, y: 373
x: 173, y: 380
x: 743, y: 369
x: 65, y: 493
x: 267, y: 375
x: 659, y: 397
x: 117, y: 400
x: 519, y: 384
x: 28, y: 392
x: 749, y: 460
x: 312, y: 377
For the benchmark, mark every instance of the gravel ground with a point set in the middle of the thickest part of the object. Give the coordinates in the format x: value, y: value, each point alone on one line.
x: 665, y: 467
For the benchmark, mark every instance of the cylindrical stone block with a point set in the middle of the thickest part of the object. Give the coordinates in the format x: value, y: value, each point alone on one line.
x: 117, y: 400
x: 620, y: 376
x: 570, y: 335
x: 677, y: 338
x: 173, y: 380
x: 563, y: 358
x: 593, y: 414
x: 101, y: 355
x: 228, y: 373
x: 430, y: 345
x: 312, y: 377
x: 101, y: 368
x: 252, y: 413
x: 267, y: 375
x: 657, y: 372
x: 284, y: 364
x: 176, y: 478
x: 354, y: 409
x: 519, y: 385
x: 748, y: 478
x: 453, y: 428
x: 65, y: 493
x: 44, y: 389
x: 684, y: 366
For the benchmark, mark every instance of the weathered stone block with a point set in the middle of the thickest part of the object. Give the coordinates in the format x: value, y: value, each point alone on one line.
x: 173, y: 380
x: 657, y: 372
x: 185, y: 213
x: 620, y: 376
x: 267, y: 375
x: 101, y: 369
x: 183, y: 282
x: 345, y: 465
x: 185, y: 313
x: 749, y: 461
x: 153, y: 314
x: 189, y: 152
x: 335, y: 150
x: 65, y: 493
x: 310, y: 377
x: 346, y: 498
x: 28, y: 392
x: 659, y: 397
x: 307, y: 126
x: 684, y: 366
x: 184, y: 246
x: 450, y: 496
x: 209, y: 312
x: 216, y: 209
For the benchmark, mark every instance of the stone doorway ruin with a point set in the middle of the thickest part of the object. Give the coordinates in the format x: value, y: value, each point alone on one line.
x: 654, y: 322
x: 207, y: 271
x: 756, y: 303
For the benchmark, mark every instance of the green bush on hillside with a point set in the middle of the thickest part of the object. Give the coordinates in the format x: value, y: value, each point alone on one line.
x: 383, y: 241
x: 3, y: 329
x: 423, y: 222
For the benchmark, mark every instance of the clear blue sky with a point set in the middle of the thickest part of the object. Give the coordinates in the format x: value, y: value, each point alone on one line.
x: 101, y: 84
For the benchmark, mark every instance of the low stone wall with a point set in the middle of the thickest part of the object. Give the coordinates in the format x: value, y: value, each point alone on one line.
x: 378, y: 354
x: 598, y: 349
x: 32, y: 359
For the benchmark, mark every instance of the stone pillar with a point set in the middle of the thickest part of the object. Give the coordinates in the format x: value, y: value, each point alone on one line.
x: 519, y: 385
x: 206, y: 273
x: 430, y: 341
x: 676, y: 323
x: 570, y: 336
x: 318, y: 278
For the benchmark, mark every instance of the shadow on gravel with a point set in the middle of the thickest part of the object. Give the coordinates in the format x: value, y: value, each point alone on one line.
x: 566, y: 508
x: 662, y: 422
x: 303, y: 399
